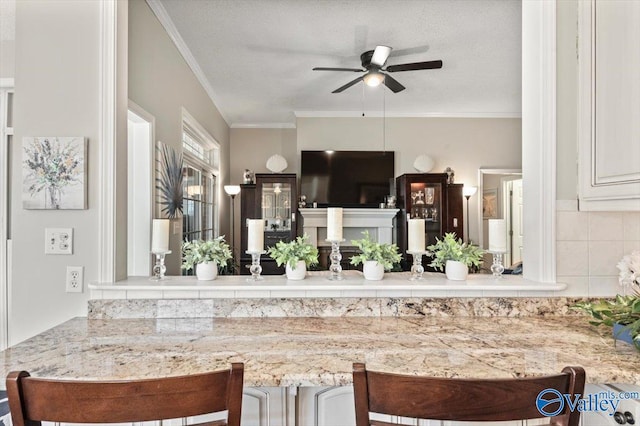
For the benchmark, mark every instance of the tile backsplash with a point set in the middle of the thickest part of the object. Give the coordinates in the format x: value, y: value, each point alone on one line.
x: 589, y: 245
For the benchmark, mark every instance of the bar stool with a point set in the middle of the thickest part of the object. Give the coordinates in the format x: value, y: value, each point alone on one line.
x: 33, y: 400
x: 466, y: 399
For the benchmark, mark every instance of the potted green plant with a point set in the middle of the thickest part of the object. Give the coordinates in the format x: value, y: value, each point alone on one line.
x: 205, y: 256
x: 298, y: 255
x: 375, y: 257
x: 454, y: 256
x: 623, y: 312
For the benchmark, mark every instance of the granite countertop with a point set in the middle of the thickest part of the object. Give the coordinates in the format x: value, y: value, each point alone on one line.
x: 320, y: 351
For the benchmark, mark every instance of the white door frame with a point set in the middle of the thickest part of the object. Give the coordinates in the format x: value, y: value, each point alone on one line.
x: 6, y: 87
x: 142, y: 129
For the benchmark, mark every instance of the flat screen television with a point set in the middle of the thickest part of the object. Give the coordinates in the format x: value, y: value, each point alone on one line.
x: 346, y: 178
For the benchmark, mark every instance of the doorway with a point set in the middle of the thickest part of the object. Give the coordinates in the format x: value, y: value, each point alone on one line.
x: 140, y: 136
x: 6, y: 135
x: 512, y: 188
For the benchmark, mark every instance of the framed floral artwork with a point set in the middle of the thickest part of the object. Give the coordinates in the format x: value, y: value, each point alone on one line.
x: 54, y: 173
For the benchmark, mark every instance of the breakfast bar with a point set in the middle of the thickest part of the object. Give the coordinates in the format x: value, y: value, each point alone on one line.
x: 299, y: 339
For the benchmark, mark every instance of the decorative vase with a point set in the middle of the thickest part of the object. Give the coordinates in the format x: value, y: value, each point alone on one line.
x: 297, y: 273
x: 456, y: 271
x: 207, y: 271
x: 372, y: 270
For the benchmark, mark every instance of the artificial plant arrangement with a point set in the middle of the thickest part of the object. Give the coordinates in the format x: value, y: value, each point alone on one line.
x: 202, y: 251
x: 623, y: 312
x: 385, y: 254
x: 294, y: 251
x: 450, y: 248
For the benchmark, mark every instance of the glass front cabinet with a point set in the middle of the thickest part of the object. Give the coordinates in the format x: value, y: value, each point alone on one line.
x: 427, y: 196
x: 272, y: 198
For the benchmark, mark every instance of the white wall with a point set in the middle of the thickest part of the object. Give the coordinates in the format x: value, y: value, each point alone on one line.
x: 161, y: 82
x: 464, y: 144
x: 57, y: 94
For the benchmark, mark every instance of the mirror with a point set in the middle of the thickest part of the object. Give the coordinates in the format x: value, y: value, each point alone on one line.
x: 500, y: 196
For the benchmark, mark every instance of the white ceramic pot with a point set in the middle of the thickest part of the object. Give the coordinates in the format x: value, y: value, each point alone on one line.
x: 372, y: 270
x: 456, y: 271
x: 207, y: 271
x: 297, y: 273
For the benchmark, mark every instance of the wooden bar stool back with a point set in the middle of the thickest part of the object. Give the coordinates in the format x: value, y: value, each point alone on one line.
x: 33, y: 400
x: 462, y: 399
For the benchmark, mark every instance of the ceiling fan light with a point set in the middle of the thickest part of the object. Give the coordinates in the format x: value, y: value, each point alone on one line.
x: 373, y: 79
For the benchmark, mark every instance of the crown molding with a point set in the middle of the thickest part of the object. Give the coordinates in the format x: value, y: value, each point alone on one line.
x: 164, y: 18
x: 380, y: 114
x: 263, y: 126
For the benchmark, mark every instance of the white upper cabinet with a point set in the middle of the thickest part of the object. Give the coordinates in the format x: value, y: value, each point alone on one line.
x: 609, y: 105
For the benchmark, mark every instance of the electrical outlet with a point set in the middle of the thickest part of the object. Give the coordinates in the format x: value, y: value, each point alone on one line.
x: 58, y: 241
x: 74, y: 279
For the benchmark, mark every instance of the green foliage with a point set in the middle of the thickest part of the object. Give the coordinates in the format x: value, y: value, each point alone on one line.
x: 450, y: 248
x: 624, y: 310
x: 294, y: 251
x: 199, y: 251
x: 385, y: 254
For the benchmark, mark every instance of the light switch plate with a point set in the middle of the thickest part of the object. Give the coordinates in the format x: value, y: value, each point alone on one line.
x: 58, y: 241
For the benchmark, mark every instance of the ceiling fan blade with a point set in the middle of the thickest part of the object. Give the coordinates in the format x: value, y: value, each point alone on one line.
x: 346, y: 86
x: 380, y: 55
x: 393, y: 84
x: 429, y: 65
x: 338, y: 69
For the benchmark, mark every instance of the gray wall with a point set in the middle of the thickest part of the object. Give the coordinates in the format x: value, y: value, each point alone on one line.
x: 161, y: 82
x: 7, y: 58
x: 58, y: 86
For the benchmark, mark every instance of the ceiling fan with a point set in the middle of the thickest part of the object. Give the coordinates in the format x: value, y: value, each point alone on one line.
x: 373, y: 61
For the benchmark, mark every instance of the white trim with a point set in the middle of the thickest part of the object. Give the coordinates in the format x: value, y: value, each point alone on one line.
x: 7, y: 82
x: 539, y: 138
x: 311, y: 114
x: 164, y: 18
x: 107, y: 173
x: 5, y: 265
x: 263, y: 126
x: 139, y: 248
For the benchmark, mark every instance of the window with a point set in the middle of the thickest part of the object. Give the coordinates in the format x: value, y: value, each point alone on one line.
x: 199, y: 181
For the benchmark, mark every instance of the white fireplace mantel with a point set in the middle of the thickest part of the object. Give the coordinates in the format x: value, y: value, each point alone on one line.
x: 379, y: 223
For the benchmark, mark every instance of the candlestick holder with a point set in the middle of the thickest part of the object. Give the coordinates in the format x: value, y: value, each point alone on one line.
x: 417, y: 269
x: 255, y: 267
x: 336, y: 257
x: 497, y: 268
x: 159, y: 268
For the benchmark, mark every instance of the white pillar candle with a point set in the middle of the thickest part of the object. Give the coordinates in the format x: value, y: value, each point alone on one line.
x: 160, y: 235
x: 497, y: 235
x: 255, y: 236
x: 334, y: 224
x: 416, y: 235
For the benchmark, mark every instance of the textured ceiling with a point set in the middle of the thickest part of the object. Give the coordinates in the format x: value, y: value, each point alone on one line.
x: 257, y: 55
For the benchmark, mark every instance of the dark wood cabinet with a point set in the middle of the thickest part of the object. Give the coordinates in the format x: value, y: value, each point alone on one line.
x: 273, y: 198
x: 430, y: 197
